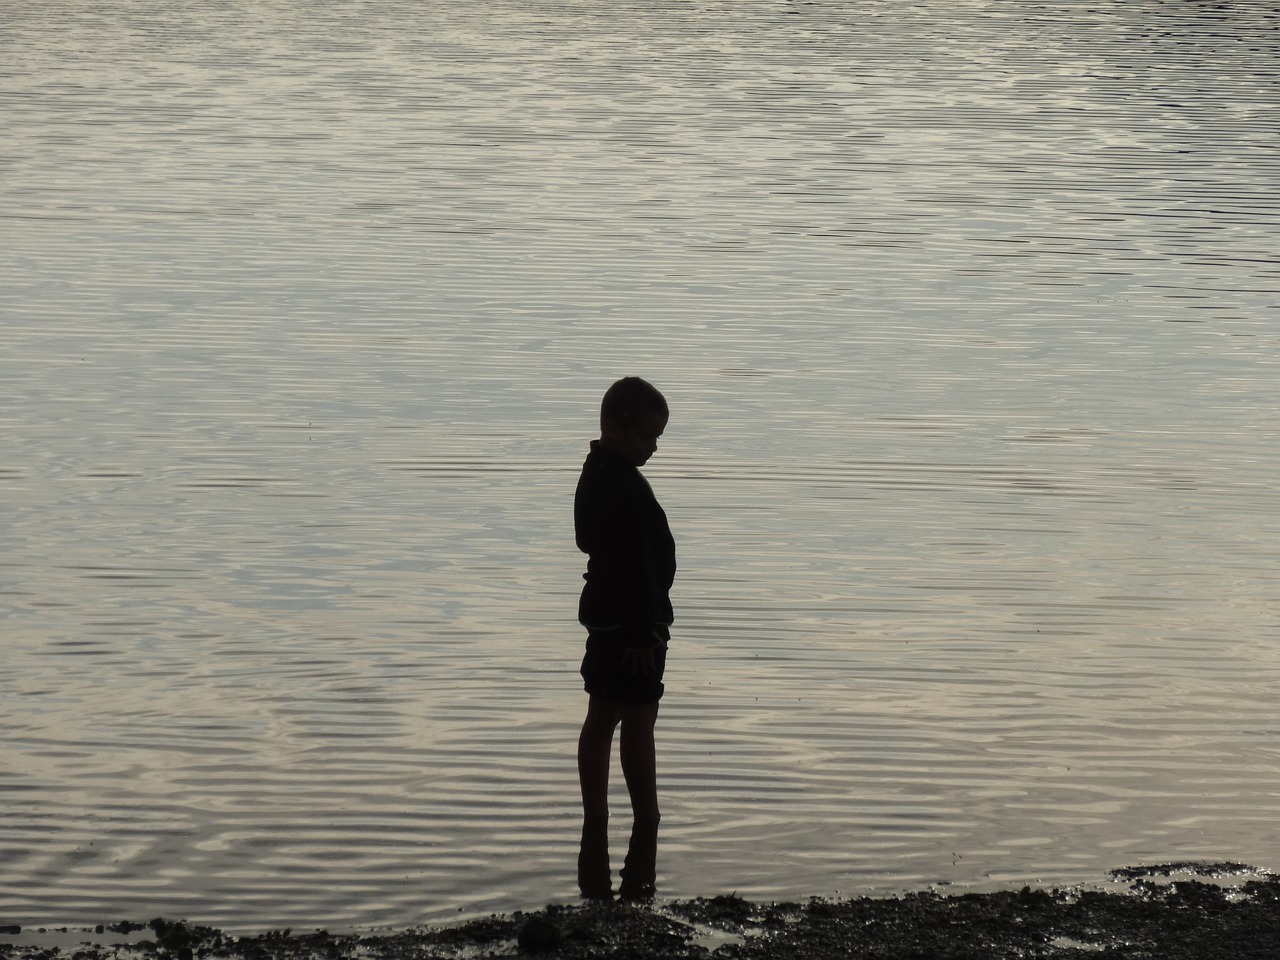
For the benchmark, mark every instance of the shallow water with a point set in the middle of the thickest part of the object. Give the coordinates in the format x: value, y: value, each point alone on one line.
x: 967, y: 314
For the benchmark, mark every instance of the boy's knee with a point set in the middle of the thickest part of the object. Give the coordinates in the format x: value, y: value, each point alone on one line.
x: 641, y: 716
x: 602, y: 715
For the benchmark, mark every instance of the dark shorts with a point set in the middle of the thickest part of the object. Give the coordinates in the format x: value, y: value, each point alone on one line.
x: 605, y: 675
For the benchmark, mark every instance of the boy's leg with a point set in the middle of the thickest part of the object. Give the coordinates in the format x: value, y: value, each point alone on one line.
x: 639, y: 761
x: 595, y: 743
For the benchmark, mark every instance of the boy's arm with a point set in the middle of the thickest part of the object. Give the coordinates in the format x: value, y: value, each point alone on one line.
x: 610, y: 529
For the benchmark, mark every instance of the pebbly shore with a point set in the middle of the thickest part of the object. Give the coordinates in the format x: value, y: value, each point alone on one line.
x: 1171, y: 912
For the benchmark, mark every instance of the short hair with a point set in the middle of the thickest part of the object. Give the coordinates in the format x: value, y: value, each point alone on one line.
x: 630, y: 399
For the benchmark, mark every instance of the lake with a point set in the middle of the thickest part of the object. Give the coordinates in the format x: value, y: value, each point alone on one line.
x: 969, y: 318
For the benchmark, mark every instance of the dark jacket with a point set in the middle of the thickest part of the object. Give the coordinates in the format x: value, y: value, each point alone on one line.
x: 631, y: 555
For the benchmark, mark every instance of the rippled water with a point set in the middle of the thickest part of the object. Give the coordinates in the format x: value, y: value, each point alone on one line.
x: 967, y: 314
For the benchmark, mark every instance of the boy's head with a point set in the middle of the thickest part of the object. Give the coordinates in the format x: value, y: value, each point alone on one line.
x: 633, y: 415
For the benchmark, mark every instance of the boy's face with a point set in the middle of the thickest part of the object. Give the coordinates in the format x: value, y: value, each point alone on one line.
x: 638, y: 441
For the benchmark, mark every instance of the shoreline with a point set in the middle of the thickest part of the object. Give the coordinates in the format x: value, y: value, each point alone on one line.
x: 1172, y: 912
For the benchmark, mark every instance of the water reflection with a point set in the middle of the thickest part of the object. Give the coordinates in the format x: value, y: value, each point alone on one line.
x: 639, y: 874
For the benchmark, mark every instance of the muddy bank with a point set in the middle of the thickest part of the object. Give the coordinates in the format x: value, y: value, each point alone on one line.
x: 1177, y: 912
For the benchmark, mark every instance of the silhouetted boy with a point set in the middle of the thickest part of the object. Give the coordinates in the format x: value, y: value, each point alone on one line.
x: 625, y: 603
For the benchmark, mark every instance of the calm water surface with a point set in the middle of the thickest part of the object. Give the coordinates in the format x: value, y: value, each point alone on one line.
x: 968, y: 314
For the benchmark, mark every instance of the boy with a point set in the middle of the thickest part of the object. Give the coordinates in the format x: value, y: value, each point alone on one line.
x: 625, y: 603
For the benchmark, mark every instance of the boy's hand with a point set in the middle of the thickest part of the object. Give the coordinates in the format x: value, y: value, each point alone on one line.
x: 642, y: 660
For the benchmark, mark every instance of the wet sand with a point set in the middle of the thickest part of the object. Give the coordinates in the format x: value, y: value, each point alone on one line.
x: 1172, y: 912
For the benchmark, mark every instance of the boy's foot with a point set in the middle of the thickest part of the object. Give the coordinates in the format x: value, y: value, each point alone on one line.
x: 640, y: 871
x: 595, y: 880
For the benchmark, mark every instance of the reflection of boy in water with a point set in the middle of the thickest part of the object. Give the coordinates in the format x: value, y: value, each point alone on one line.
x: 625, y: 603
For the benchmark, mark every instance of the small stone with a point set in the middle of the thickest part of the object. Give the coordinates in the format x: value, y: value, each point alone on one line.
x: 538, y: 935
